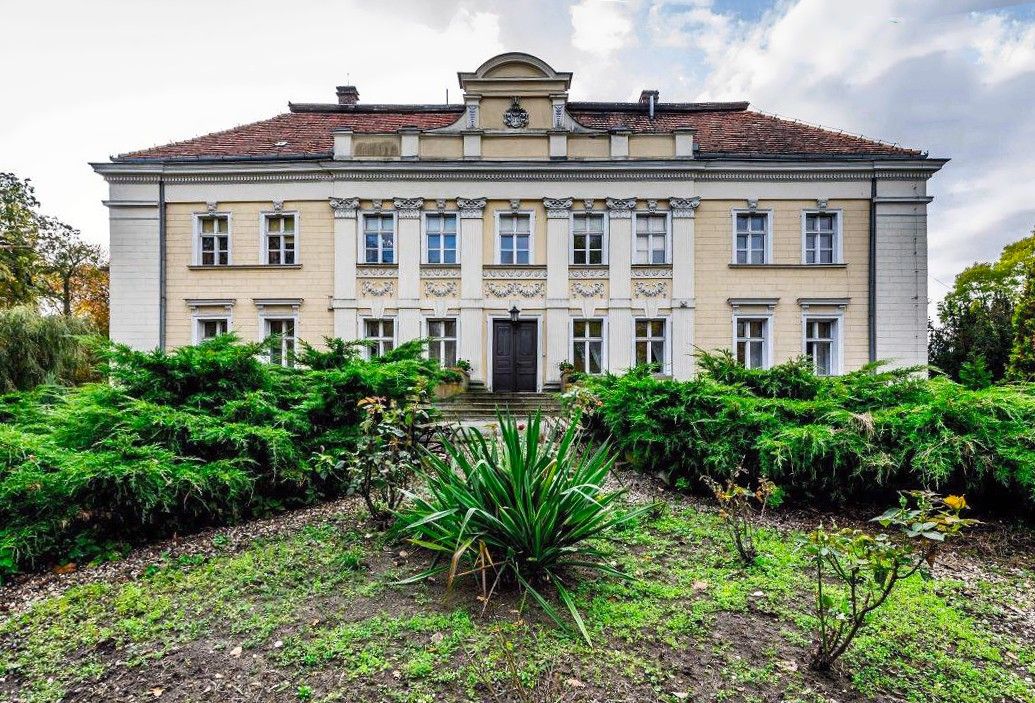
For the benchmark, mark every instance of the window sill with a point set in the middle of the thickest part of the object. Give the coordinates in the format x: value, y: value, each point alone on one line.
x: 590, y: 267
x: 788, y: 266
x: 504, y: 267
x: 440, y: 266
x: 364, y: 265
x: 666, y: 265
x: 243, y: 267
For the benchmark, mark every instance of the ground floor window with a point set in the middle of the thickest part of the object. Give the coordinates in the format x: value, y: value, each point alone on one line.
x: 209, y: 327
x: 382, y: 333
x: 650, y: 342
x: 752, y: 341
x: 442, y: 341
x: 587, y: 345
x: 282, y: 350
x: 821, y: 344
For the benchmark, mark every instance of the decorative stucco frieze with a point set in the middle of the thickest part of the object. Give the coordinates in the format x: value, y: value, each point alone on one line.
x: 440, y: 272
x: 278, y: 206
x: 651, y: 289
x: 584, y: 274
x: 514, y: 289
x: 408, y: 208
x: 377, y: 289
x: 344, y: 208
x: 509, y: 272
x: 471, y: 207
x: 441, y: 289
x: 684, y: 207
x: 559, y: 208
x: 588, y: 290
x: 652, y: 272
x: 621, y: 208
x: 376, y: 272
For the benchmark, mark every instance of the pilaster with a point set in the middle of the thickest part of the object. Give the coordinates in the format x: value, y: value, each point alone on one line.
x: 683, y: 211
x: 558, y: 234
x: 407, y: 247
x: 346, y: 244
x: 472, y: 324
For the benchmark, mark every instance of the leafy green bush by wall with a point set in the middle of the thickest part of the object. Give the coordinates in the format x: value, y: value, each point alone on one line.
x: 37, y: 349
x: 863, y: 433
x: 178, y: 439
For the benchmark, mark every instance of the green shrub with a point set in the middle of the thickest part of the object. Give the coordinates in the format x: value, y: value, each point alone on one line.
x: 38, y: 349
x: 517, y: 510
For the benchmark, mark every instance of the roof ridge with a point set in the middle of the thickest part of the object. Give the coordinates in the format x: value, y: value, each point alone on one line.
x: 375, y: 107
x: 707, y: 106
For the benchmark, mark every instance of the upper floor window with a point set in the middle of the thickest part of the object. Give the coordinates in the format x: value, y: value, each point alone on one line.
x: 210, y: 327
x: 651, y: 238
x: 650, y: 342
x: 213, y: 240
x: 587, y: 238
x: 279, y: 238
x: 282, y: 351
x: 440, y: 231
x: 379, y: 239
x: 442, y: 341
x: 752, y: 341
x: 587, y: 345
x: 515, y: 234
x: 821, y: 344
x: 751, y: 238
x: 382, y: 333
x: 821, y: 238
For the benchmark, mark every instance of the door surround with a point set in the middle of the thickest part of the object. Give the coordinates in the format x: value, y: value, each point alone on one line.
x: 529, y: 317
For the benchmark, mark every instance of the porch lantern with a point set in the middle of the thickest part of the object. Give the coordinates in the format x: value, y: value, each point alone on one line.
x: 514, y: 312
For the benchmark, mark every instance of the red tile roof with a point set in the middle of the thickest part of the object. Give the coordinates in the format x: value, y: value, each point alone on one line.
x: 721, y: 128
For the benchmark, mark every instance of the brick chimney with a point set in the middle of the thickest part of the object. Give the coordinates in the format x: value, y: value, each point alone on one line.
x: 650, y: 99
x: 347, y: 95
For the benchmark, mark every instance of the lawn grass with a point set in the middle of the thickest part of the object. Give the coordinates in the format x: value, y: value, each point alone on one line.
x: 317, y: 616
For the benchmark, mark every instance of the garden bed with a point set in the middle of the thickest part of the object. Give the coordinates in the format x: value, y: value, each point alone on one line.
x: 304, y: 606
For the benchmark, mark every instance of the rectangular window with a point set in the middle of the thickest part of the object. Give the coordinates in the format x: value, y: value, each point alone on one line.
x: 441, y: 239
x: 587, y: 345
x: 214, y: 240
x: 210, y: 327
x: 752, y: 234
x: 587, y: 238
x: 821, y: 345
x: 650, y: 342
x: 651, y: 239
x: 282, y: 352
x: 279, y: 233
x: 753, y: 342
x: 821, y: 238
x: 515, y: 238
x: 382, y: 333
x: 379, y: 239
x: 442, y: 344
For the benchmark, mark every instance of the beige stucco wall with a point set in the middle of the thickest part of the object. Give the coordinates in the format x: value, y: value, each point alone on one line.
x: 586, y: 147
x: 441, y: 147
x: 716, y: 281
x: 508, y: 147
x: 652, y: 146
x: 244, y: 280
x: 539, y: 112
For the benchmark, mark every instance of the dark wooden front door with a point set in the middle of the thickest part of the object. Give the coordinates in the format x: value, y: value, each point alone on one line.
x: 514, y: 355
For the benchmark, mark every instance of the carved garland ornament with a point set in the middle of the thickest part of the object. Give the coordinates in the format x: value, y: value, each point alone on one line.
x: 514, y: 290
x: 588, y: 290
x: 365, y: 272
x: 656, y: 289
x: 507, y: 273
x: 440, y: 289
x: 652, y: 273
x: 377, y: 290
x: 584, y: 274
x: 435, y: 272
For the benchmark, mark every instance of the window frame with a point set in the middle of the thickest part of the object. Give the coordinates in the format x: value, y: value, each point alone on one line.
x: 837, y: 341
x: 424, y: 249
x: 197, y: 218
x: 266, y: 334
x: 767, y: 250
x: 767, y: 331
x: 361, y: 255
x: 383, y: 318
x: 199, y: 318
x: 605, y: 239
x: 440, y: 340
x: 666, y: 365
x: 603, y: 342
x: 668, y: 237
x: 498, y: 257
x: 838, y: 254
x: 264, y: 236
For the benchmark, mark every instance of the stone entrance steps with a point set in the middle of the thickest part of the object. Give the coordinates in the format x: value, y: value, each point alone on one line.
x: 480, y: 404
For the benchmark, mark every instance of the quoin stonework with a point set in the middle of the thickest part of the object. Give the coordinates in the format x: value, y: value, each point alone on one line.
x: 521, y: 229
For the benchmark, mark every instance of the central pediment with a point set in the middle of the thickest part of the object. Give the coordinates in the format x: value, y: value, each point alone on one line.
x: 515, y: 73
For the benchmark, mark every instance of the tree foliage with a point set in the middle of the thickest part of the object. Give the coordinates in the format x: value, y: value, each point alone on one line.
x: 1022, y: 357
x: 37, y: 349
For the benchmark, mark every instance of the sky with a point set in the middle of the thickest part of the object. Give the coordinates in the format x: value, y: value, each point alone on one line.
x: 956, y: 78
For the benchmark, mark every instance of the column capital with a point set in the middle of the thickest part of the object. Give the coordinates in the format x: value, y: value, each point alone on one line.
x: 344, y: 208
x: 408, y: 208
x: 557, y: 207
x: 684, y: 207
x: 621, y: 208
x: 471, y: 208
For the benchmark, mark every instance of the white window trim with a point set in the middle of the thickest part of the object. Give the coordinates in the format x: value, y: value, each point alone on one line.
x: 603, y: 342
x: 668, y: 237
x: 198, y: 318
x: 767, y: 330
x: 265, y: 317
x: 666, y: 368
x: 768, y: 234
x: 197, y: 216
x: 361, y: 239
x: 424, y: 236
x: 362, y: 331
x: 427, y: 331
x: 606, y: 239
x: 838, y: 352
x: 498, y: 256
x: 838, y: 236
x: 263, y: 249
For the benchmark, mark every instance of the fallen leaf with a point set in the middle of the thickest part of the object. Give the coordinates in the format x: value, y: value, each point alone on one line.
x: 574, y: 683
x: 65, y: 568
x: 156, y: 692
x: 236, y: 651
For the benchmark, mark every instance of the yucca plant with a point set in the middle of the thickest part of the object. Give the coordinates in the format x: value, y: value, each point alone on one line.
x: 517, y: 509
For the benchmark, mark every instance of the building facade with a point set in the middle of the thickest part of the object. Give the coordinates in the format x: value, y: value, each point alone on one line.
x: 521, y: 230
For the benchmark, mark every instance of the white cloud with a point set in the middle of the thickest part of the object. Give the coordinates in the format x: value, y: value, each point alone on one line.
x: 602, y: 26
